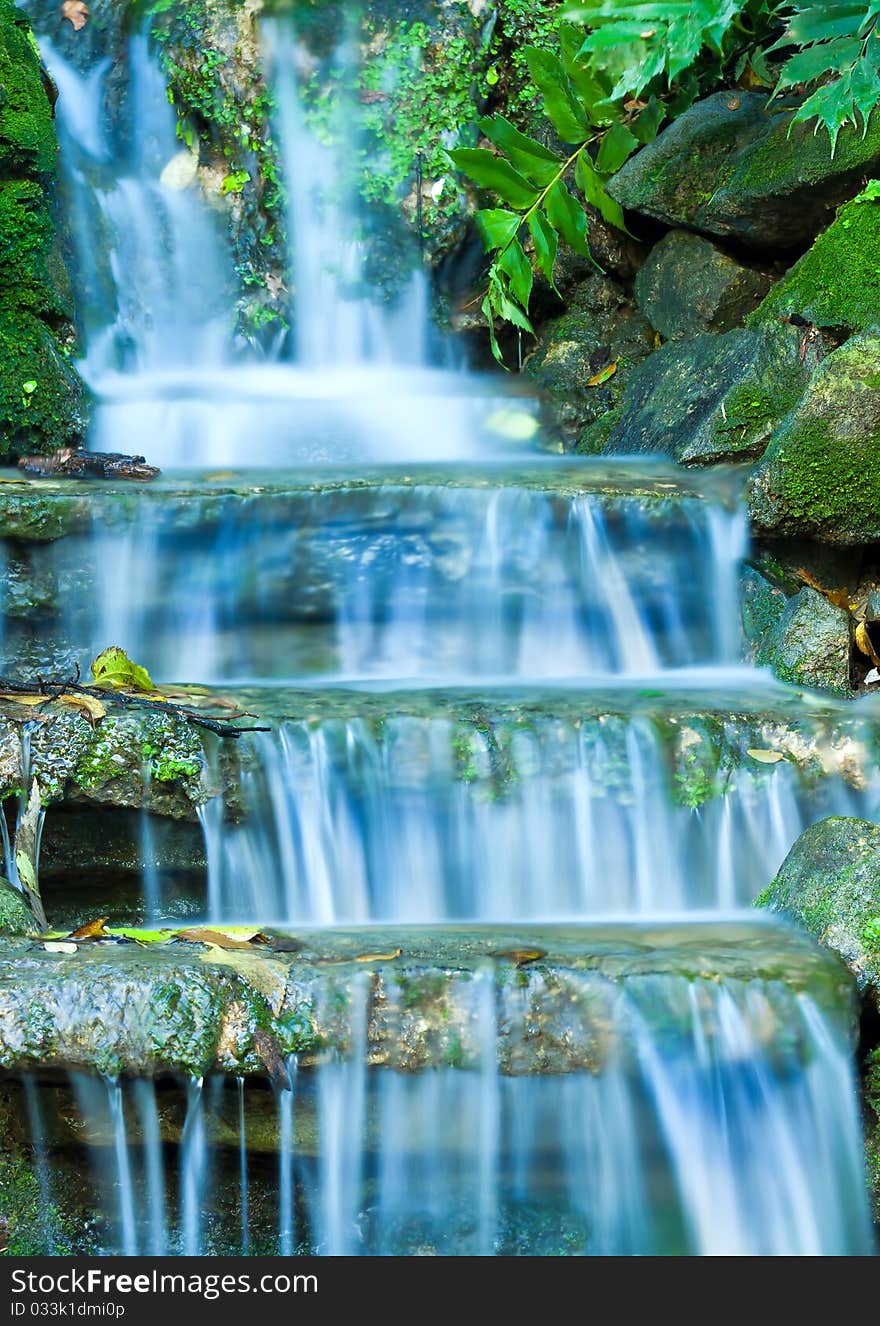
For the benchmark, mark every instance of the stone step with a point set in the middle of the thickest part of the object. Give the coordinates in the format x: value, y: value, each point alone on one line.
x: 403, y: 997
x: 384, y: 572
x: 577, y: 788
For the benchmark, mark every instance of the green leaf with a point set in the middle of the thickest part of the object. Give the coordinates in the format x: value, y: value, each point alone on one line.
x: 616, y: 146
x: 516, y: 266
x: 497, y: 227
x: 493, y: 172
x: 561, y: 105
x: 567, y: 216
x: 26, y: 873
x: 489, y: 315
x: 647, y: 123
x: 592, y: 185
x: 113, y: 668
x: 808, y: 65
x: 536, y: 162
x: 546, y: 242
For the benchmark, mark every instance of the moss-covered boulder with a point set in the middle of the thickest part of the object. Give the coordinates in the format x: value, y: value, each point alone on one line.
x: 836, y: 283
x: 734, y: 165
x: 600, y: 329
x: 713, y: 398
x: 41, y: 396
x: 15, y: 915
x: 830, y: 884
x: 689, y: 285
x: 809, y: 643
x: 820, y: 475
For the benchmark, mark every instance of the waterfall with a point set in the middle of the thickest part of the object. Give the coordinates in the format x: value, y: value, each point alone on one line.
x: 500, y: 687
x: 423, y: 581
x: 701, y: 1130
x: 551, y: 816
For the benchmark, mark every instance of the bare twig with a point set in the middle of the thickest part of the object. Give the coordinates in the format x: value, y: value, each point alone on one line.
x: 53, y: 688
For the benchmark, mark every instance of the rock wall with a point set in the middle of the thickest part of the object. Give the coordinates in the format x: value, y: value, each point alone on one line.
x: 42, y: 400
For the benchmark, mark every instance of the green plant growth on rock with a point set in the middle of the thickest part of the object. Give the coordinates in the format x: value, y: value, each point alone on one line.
x: 836, y: 284
x: 819, y: 476
x: 609, y: 87
x: 41, y: 396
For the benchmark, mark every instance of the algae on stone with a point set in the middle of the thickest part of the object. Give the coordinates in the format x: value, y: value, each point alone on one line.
x: 599, y: 328
x: 830, y: 884
x: 820, y: 475
x: 712, y: 398
x: 735, y: 165
x: 688, y: 285
x: 809, y: 644
x: 42, y: 401
x: 836, y: 283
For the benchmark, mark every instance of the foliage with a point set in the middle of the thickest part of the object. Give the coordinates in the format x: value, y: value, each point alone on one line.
x: 622, y: 68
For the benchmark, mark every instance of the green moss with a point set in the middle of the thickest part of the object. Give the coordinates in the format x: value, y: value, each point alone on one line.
x: 42, y: 403
x: 42, y: 398
x: 820, y: 476
x: 27, y: 135
x: 837, y: 282
x: 15, y: 915
x: 32, y: 1231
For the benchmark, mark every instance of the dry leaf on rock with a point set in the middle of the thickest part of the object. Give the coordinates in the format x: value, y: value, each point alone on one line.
x: 76, y: 12
x: 379, y: 957
x: 221, y: 938
x: 96, y: 929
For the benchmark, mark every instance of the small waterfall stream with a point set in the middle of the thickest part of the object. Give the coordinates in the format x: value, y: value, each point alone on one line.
x: 362, y: 543
x: 695, y: 1134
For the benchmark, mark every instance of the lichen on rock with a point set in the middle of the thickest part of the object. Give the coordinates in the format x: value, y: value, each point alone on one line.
x: 819, y: 477
x: 836, y: 284
x: 42, y: 399
x: 711, y: 398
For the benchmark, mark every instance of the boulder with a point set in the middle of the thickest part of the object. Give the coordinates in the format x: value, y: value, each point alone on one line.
x: 809, y: 644
x: 713, y: 398
x: 836, y: 283
x: 830, y: 884
x: 600, y: 328
x: 735, y: 166
x: 689, y: 285
x: 15, y: 915
x: 42, y: 399
x: 820, y: 476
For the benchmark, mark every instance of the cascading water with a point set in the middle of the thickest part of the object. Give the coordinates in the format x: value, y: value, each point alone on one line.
x: 719, y: 1114
x: 557, y: 816
x: 702, y: 1129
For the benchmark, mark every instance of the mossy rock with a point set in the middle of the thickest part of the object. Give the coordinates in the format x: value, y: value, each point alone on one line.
x: 15, y: 915
x: 735, y: 165
x: 600, y: 327
x: 42, y: 397
x: 836, y: 283
x: 27, y: 135
x: 830, y: 884
x: 820, y: 475
x: 688, y: 285
x: 712, y: 398
x: 809, y: 644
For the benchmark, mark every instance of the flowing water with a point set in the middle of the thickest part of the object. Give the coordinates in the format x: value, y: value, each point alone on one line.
x: 722, y: 1117
x: 695, y: 1135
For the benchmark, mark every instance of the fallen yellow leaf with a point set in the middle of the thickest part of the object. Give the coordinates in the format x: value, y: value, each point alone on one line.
x: 766, y: 756
x: 603, y: 375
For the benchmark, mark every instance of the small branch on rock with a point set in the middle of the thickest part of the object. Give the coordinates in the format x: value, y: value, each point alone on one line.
x: 53, y: 689
x: 72, y: 463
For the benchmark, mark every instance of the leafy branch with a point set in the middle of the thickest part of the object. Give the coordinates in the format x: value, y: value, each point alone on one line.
x: 530, y: 177
x: 623, y: 67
